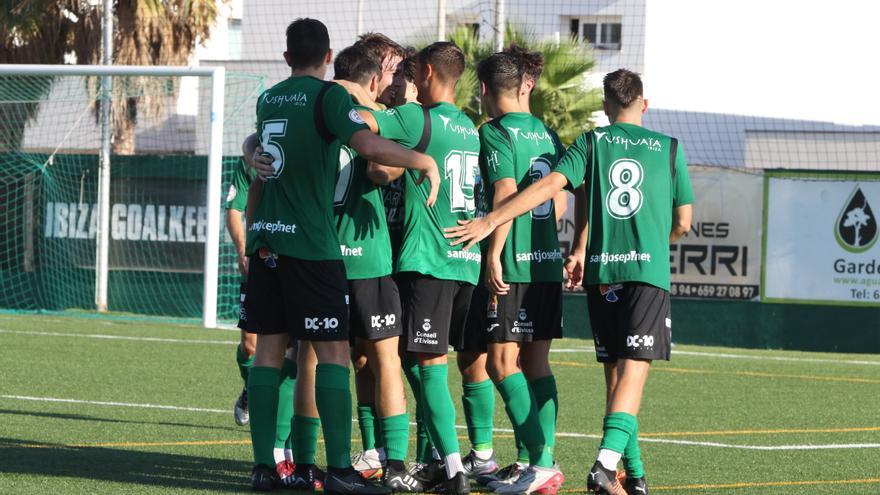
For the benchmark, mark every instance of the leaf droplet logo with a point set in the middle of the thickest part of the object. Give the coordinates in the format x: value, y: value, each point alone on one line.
x: 856, y: 229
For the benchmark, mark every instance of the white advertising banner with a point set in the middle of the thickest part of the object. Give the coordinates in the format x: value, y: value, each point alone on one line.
x: 822, y: 240
x: 720, y: 257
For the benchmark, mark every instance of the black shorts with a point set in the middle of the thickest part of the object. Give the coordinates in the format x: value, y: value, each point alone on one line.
x: 306, y: 299
x: 375, y: 308
x: 630, y: 321
x: 472, y: 337
x: 432, y: 310
x: 529, y: 312
x: 242, y: 311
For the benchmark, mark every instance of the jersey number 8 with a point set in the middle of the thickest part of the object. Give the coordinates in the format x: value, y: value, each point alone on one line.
x: 624, y: 199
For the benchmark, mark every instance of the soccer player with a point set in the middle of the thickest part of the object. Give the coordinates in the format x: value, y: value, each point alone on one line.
x: 236, y: 200
x: 370, y: 462
x: 376, y: 318
x: 436, y: 281
x: 639, y: 198
x: 296, y: 282
x: 523, y: 273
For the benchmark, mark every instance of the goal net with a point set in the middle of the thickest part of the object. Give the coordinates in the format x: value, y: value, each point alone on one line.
x: 159, y: 209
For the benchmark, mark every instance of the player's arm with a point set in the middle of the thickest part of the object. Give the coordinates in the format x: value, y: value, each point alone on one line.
x: 382, y: 175
x: 560, y: 204
x: 253, y: 156
x: 472, y: 232
x: 574, y: 264
x: 681, y: 221
x: 380, y: 150
x: 504, y: 189
x: 236, y: 230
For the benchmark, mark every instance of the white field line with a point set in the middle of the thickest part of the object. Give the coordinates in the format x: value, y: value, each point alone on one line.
x: 500, y: 430
x: 121, y: 337
x: 562, y: 351
x: 742, y: 356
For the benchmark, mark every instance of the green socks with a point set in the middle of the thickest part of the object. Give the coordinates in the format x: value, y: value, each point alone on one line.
x: 263, y: 404
x: 244, y: 362
x: 423, y: 443
x: 618, y: 428
x: 632, y: 455
x: 547, y: 401
x: 368, y: 423
x: 285, y: 404
x: 523, y: 413
x: 333, y: 398
x: 478, y: 401
x: 439, y: 411
x: 305, y: 431
x: 396, y: 432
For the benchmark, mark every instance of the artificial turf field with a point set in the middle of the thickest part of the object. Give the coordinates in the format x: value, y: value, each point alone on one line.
x: 120, y: 406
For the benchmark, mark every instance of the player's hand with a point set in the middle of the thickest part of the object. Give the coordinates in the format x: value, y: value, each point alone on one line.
x: 494, y: 280
x: 242, y: 264
x: 470, y: 232
x: 262, y: 164
x: 574, y: 268
x: 429, y: 171
x: 358, y: 92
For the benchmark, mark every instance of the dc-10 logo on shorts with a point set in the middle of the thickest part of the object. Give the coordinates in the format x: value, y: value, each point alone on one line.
x: 314, y: 325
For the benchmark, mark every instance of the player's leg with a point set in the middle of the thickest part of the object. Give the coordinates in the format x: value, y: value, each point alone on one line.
x: 265, y: 319
x: 424, y: 447
x: 478, y: 392
x: 306, y: 426
x: 244, y: 358
x: 283, y: 452
x: 320, y: 312
x: 430, y: 308
x: 641, y: 321
x: 370, y: 460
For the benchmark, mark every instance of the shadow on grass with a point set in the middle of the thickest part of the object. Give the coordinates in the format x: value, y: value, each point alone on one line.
x: 83, y: 417
x: 123, y: 466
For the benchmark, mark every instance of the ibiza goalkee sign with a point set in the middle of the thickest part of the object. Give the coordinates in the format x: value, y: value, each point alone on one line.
x: 822, y: 240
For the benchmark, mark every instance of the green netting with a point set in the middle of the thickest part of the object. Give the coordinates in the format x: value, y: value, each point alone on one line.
x: 49, y: 142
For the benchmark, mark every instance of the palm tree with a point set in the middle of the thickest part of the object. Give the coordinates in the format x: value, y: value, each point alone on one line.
x: 147, y: 32
x: 562, y: 98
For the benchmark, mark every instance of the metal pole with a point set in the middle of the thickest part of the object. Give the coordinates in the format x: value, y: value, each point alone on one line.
x: 215, y: 170
x: 360, y: 18
x: 500, y: 21
x: 102, y: 247
x: 441, y: 20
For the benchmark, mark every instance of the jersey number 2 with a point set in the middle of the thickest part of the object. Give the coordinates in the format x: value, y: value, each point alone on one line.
x: 343, y: 182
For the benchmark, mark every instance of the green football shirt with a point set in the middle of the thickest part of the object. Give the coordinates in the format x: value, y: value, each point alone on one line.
x: 236, y: 196
x: 518, y: 146
x: 295, y: 213
x: 360, y: 219
x: 632, y: 192
x: 454, y: 144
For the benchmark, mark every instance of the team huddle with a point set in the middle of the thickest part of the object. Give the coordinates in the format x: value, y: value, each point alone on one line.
x: 382, y: 227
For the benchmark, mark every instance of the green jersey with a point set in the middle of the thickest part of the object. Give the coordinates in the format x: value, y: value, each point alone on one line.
x: 446, y: 134
x: 295, y: 213
x: 635, y: 177
x: 360, y: 219
x: 518, y: 146
x: 236, y: 196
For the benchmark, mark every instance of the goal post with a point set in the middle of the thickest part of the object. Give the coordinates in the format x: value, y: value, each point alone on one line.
x: 26, y: 91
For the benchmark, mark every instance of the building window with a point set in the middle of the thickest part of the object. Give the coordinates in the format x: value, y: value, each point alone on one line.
x: 601, y: 34
x: 234, y: 39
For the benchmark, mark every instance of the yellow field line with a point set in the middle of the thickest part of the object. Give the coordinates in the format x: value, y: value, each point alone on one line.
x: 737, y: 373
x: 766, y: 484
x: 758, y: 432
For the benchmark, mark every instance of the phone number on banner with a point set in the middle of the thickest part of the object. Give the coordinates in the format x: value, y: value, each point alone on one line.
x: 716, y: 291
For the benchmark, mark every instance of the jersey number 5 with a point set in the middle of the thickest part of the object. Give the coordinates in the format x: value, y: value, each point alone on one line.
x: 274, y: 129
x: 624, y: 199
x: 461, y: 171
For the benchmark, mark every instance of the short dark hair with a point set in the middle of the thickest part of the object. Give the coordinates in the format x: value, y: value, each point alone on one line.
x: 622, y: 87
x: 532, y: 63
x: 501, y: 73
x: 408, y: 65
x: 445, y: 57
x: 356, y: 64
x: 380, y: 46
x: 307, y: 43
